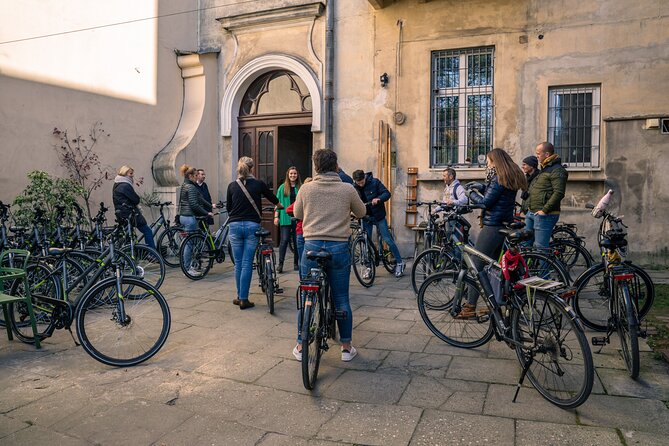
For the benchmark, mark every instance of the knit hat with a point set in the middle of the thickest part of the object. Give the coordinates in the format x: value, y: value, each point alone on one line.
x: 531, y: 161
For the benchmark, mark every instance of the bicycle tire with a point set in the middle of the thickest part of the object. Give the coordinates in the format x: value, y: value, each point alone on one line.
x: 387, y: 258
x: 564, y: 233
x: 362, y: 258
x: 428, y: 262
x: 200, y: 261
x: 312, y: 337
x: 147, y: 322
x: 42, y: 283
x: 541, y: 265
x: 269, y: 286
x: 148, y: 262
x: 627, y: 327
x: 560, y: 367
x: 574, y: 256
x: 591, y: 301
x: 439, y: 303
x: 169, y: 243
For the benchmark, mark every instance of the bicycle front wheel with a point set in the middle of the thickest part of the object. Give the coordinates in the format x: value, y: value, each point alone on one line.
x: 169, y: 243
x: 553, y: 349
x: 362, y: 258
x: 269, y: 285
x: 194, y: 257
x: 149, y: 264
x: 440, y: 300
x: 313, y: 332
x: 428, y: 262
x: 119, y: 331
x: 627, y: 326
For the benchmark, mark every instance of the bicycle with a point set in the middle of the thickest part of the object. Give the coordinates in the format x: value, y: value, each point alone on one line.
x: 149, y: 263
x: 199, y: 249
x: 546, y: 334
x: 265, y: 265
x: 622, y: 298
x: 366, y: 256
x: 120, y: 321
x: 317, y: 316
x: 432, y: 233
x: 169, y: 240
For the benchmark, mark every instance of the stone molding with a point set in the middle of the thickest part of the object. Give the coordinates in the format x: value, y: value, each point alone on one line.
x: 241, y: 81
x: 290, y: 13
x: 164, y: 163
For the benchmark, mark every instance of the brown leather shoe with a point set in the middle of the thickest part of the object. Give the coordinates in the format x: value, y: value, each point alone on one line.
x: 244, y: 304
x: 236, y: 302
x: 467, y: 311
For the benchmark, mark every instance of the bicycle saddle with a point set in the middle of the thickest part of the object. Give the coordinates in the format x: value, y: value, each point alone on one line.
x: 314, y: 255
x: 262, y: 233
x: 58, y: 251
x: 517, y: 236
x: 18, y: 229
x: 515, y: 225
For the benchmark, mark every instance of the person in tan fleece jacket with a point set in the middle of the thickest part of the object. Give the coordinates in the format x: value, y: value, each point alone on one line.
x: 325, y: 206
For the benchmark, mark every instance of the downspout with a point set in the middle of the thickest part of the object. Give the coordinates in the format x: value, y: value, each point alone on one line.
x: 329, y: 75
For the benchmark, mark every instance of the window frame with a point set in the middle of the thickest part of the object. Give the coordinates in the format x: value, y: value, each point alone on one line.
x: 463, y: 91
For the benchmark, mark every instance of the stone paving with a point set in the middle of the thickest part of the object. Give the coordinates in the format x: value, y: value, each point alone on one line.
x: 227, y: 377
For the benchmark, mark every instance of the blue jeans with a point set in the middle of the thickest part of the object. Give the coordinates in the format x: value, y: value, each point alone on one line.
x: 542, y: 225
x: 299, y: 244
x: 244, y: 242
x: 190, y: 225
x: 339, y: 273
x: 382, y: 228
x: 148, y: 236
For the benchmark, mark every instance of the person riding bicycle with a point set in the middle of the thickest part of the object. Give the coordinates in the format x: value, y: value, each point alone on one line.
x: 372, y: 190
x: 324, y: 205
x: 503, y: 180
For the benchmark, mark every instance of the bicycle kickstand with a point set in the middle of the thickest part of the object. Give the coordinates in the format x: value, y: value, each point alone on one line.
x: 522, y: 378
x: 73, y: 338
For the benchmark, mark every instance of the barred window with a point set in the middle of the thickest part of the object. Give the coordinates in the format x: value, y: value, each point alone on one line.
x: 573, y: 124
x: 462, y: 106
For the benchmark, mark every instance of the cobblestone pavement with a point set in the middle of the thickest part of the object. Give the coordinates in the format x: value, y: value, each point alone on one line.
x: 228, y: 377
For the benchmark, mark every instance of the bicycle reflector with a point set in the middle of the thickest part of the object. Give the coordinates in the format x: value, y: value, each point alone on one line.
x: 627, y: 276
x: 266, y: 251
x: 309, y: 287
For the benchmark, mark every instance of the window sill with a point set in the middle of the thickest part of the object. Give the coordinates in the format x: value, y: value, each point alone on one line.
x: 463, y: 173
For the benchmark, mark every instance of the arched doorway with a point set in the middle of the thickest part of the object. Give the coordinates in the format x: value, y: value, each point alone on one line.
x: 274, y: 124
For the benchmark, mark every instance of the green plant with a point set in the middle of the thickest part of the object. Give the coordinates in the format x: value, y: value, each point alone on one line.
x: 44, y: 193
x: 81, y: 162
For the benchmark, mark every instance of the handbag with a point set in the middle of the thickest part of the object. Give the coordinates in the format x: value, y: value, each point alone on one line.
x: 246, y: 192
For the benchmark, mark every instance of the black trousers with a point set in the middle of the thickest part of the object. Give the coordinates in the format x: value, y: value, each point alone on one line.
x: 489, y: 242
x: 286, y: 233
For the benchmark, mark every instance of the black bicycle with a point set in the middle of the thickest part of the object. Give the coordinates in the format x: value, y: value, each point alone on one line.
x: 265, y: 265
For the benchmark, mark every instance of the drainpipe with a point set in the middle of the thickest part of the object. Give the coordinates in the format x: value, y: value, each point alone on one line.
x: 329, y: 75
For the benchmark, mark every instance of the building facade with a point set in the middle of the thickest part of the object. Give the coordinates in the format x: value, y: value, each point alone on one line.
x: 389, y: 85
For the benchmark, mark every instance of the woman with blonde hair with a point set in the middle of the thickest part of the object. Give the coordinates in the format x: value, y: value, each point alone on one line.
x: 503, y: 180
x: 286, y: 195
x: 244, y: 204
x: 126, y: 202
x: 192, y: 204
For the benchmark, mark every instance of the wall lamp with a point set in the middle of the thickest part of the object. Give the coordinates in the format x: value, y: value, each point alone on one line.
x: 384, y: 80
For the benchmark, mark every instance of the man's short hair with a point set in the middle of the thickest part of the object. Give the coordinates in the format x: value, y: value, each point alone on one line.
x: 547, y: 147
x: 200, y: 170
x: 450, y: 171
x: 358, y: 175
x: 325, y: 160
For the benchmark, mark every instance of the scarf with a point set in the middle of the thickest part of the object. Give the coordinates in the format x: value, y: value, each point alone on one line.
x: 122, y: 179
x: 548, y: 160
x: 490, y: 174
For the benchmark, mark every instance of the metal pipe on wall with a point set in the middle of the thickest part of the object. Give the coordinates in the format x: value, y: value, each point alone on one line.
x: 329, y: 75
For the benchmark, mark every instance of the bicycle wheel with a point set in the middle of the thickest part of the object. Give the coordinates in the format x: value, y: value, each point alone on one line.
x: 591, y: 301
x: 428, y: 262
x: 200, y: 261
x: 42, y: 283
x: 627, y: 326
x: 269, y: 286
x: 539, y: 264
x: 553, y: 350
x: 169, y: 243
x: 387, y: 258
x: 148, y: 262
x: 575, y: 258
x: 439, y: 301
x: 118, y: 331
x: 362, y: 258
x: 312, y: 332
x: 564, y: 233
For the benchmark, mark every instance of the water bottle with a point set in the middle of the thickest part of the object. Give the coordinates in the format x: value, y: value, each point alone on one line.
x: 602, y: 205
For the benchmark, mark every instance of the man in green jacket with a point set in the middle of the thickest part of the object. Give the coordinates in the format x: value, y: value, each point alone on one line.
x: 545, y: 194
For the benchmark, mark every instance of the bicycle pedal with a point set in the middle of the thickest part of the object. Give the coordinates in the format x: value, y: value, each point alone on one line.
x: 483, y: 318
x: 341, y: 315
x: 599, y: 340
x: 278, y: 290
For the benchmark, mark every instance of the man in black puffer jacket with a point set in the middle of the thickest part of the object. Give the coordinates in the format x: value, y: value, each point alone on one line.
x: 372, y: 191
x: 126, y: 201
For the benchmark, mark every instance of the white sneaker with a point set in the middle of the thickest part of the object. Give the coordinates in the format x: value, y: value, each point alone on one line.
x: 193, y: 272
x: 399, y: 269
x: 347, y: 355
x: 297, y: 353
x: 367, y: 274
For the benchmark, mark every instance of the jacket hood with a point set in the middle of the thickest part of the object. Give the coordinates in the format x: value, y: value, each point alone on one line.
x: 330, y: 177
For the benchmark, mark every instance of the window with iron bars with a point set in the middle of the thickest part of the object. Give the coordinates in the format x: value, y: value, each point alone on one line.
x: 461, y: 130
x: 573, y: 124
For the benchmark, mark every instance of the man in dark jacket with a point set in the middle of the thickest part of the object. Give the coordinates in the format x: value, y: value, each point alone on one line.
x: 545, y: 194
x: 204, y: 190
x: 530, y: 168
x: 372, y: 191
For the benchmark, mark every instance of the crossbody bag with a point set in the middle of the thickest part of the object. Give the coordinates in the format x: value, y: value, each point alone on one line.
x: 246, y: 192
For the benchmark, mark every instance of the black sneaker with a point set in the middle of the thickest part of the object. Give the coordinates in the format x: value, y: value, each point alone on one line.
x: 244, y: 304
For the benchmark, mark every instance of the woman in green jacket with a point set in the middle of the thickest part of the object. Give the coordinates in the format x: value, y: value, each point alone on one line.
x: 286, y: 195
